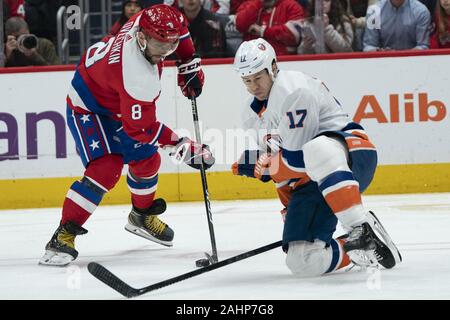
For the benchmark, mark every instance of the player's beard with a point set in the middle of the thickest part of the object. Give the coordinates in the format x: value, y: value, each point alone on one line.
x: 151, y: 57
x: 147, y: 54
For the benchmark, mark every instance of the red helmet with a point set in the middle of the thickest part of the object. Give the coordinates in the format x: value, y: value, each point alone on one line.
x: 162, y: 23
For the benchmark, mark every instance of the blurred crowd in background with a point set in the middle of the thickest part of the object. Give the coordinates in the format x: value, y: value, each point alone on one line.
x: 218, y: 27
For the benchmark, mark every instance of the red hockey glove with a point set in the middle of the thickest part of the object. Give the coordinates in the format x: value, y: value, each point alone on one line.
x: 191, y: 77
x: 192, y: 153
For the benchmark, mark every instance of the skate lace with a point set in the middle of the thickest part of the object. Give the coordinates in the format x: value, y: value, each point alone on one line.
x: 377, y: 256
x: 66, y: 238
x: 154, y: 224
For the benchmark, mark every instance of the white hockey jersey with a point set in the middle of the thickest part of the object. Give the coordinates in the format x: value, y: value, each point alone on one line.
x: 299, y: 108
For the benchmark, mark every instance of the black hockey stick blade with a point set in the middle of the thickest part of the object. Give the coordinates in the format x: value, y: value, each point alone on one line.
x: 120, y: 286
x: 108, y: 278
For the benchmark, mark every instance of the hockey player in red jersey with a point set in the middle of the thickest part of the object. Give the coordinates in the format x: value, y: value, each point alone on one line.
x: 111, y: 112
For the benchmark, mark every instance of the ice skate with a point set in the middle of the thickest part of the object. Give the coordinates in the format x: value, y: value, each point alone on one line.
x: 60, y: 250
x: 369, y: 246
x: 146, y: 224
x: 385, y: 246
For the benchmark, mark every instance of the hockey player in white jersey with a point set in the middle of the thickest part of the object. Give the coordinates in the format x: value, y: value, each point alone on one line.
x: 320, y: 162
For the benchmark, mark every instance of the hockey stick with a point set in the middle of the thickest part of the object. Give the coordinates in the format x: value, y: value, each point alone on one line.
x: 211, y: 258
x: 107, y: 277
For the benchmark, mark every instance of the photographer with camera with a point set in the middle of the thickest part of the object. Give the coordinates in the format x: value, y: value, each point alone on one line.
x: 25, y: 49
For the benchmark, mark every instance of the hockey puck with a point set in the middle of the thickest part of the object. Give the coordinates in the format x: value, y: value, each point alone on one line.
x: 202, y: 263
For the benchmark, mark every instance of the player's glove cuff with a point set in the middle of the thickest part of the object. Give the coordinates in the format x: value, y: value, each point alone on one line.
x: 191, y: 77
x: 253, y: 164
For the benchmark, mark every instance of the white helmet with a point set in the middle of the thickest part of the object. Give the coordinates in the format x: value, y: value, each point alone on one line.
x: 254, y: 56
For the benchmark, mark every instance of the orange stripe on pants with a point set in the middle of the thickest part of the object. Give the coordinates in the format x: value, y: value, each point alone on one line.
x: 343, y: 198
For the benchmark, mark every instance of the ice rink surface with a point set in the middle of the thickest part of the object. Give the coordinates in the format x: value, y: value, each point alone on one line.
x: 418, y: 223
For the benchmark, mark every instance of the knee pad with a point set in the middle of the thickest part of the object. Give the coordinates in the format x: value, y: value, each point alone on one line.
x: 145, y: 168
x: 106, y: 170
x: 308, y: 259
x: 324, y: 155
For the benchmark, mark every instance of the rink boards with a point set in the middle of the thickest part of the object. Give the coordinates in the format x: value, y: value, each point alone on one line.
x: 402, y: 100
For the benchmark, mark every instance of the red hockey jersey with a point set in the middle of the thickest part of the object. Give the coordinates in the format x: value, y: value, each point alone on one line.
x: 114, y: 79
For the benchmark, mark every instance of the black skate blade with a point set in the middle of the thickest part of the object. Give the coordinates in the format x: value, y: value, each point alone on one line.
x: 144, y: 234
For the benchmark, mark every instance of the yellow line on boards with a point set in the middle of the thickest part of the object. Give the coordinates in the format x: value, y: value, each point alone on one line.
x: 50, y: 192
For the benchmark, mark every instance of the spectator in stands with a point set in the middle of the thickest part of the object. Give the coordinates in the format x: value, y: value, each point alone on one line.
x: 273, y: 20
x: 305, y: 4
x: 129, y: 9
x: 430, y: 4
x: 338, y: 31
x: 397, y: 25
x: 13, y: 8
x: 25, y: 49
x: 216, y: 6
x: 441, y: 35
x: 228, y: 21
x: 41, y: 17
x: 356, y: 10
x: 206, y: 31
x: 234, y: 5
